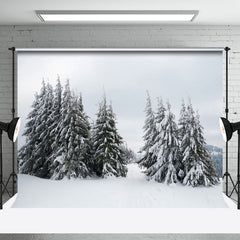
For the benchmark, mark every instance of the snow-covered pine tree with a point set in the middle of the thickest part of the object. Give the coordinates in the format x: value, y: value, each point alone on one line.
x: 108, y: 156
x: 43, y: 149
x: 164, y: 170
x: 56, y: 118
x: 117, y: 153
x: 86, y: 152
x: 26, y: 153
x: 160, y: 114
x: 198, y: 167
x: 210, y: 171
x: 89, y: 151
x: 98, y: 136
x: 57, y: 167
x: 69, y: 160
x: 150, y: 132
x: 74, y: 162
x: 183, y: 125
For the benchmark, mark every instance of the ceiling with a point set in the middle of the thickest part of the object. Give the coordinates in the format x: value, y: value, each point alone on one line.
x: 211, y: 12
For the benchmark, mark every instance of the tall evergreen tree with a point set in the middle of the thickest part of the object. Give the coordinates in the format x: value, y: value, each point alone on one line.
x: 183, y: 125
x: 157, y: 141
x: 26, y: 153
x: 84, y: 129
x: 37, y: 149
x: 56, y: 118
x: 199, y: 169
x: 117, y: 153
x: 43, y: 149
x: 89, y: 151
x: 70, y: 162
x: 62, y: 125
x: 164, y: 170
x: 150, y: 132
x: 108, y: 155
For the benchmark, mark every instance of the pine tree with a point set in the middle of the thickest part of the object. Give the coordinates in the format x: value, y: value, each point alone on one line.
x: 117, y: 153
x: 89, y: 150
x: 35, y: 152
x: 26, y: 153
x: 199, y: 169
x: 183, y: 124
x: 73, y: 131
x: 149, y: 136
x: 160, y: 114
x: 164, y: 169
x: 56, y: 118
x: 58, y: 164
x: 43, y: 149
x: 108, y: 155
x: 85, y: 154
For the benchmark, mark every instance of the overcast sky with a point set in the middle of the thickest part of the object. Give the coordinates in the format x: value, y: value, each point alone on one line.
x: 125, y: 77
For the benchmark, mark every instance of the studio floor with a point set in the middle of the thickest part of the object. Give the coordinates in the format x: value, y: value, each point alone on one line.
x: 119, y: 220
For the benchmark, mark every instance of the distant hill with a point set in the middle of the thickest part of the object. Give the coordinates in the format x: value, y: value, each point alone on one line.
x: 217, y: 157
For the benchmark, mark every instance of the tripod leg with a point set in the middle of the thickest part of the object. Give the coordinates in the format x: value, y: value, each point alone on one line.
x: 13, y: 176
x: 234, y: 189
x: 1, y: 171
x: 5, y: 186
x: 238, y: 172
x: 227, y: 174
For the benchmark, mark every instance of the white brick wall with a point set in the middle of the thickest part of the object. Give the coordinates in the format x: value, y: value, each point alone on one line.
x: 120, y: 36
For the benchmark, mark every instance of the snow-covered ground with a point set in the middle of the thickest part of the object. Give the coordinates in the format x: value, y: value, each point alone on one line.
x: 130, y: 192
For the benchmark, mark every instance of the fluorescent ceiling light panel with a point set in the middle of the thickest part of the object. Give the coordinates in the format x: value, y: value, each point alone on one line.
x: 216, y: 49
x: 117, y: 16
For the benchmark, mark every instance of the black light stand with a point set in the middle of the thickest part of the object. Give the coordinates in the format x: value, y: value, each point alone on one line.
x: 236, y: 187
x: 238, y: 171
x: 12, y: 129
x: 227, y: 130
x: 13, y: 174
x: 1, y: 171
x: 227, y: 174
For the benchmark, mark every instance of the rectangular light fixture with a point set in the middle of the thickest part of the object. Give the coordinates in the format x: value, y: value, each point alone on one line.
x: 215, y: 49
x: 117, y: 16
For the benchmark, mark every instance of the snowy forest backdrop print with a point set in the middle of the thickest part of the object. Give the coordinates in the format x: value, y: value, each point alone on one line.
x: 60, y: 142
x: 61, y: 139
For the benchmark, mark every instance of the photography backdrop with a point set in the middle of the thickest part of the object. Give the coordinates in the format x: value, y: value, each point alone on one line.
x: 125, y: 78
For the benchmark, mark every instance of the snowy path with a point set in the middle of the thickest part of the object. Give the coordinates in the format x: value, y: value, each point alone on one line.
x: 130, y: 192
